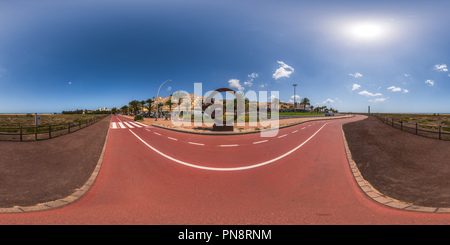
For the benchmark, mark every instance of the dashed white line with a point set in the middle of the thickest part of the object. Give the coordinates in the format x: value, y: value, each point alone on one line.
x: 156, y: 133
x: 229, y: 145
x: 295, y: 131
x: 172, y: 138
x: 258, y: 142
x: 193, y: 143
x: 303, y: 128
x: 282, y: 136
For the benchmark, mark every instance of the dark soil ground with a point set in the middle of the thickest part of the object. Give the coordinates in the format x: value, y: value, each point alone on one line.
x: 401, y: 165
x: 46, y: 170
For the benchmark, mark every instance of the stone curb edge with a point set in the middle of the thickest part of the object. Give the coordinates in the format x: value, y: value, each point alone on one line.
x: 377, y: 196
x: 69, y: 199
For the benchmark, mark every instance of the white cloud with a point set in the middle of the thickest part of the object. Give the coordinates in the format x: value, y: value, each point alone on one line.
x: 272, y: 97
x: 283, y: 71
x: 296, y: 97
x: 442, y: 67
x: 431, y: 82
x: 356, y: 86
x: 252, y: 76
x: 395, y: 89
x: 234, y: 83
x: 169, y: 88
x: 407, y: 75
x: 328, y: 101
x: 369, y: 94
x: 356, y: 75
x: 377, y: 100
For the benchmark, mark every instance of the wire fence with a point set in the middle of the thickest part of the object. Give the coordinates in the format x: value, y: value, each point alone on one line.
x: 431, y: 131
x: 41, y: 132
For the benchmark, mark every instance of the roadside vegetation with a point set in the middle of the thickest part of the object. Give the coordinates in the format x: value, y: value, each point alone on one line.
x: 430, y: 121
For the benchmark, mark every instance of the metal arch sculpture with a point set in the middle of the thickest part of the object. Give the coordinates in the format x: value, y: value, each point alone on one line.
x: 210, y: 105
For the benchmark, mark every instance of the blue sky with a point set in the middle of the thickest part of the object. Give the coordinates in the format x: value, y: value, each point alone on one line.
x: 348, y: 55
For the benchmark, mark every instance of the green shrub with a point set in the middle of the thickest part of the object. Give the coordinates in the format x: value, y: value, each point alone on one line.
x: 138, y: 118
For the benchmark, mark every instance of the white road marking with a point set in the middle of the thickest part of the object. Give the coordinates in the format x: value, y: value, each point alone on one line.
x: 295, y: 131
x: 282, y: 136
x: 129, y: 125
x: 147, y: 129
x: 172, y: 138
x: 121, y: 125
x: 114, y: 125
x: 135, y: 124
x: 229, y: 169
x: 303, y: 128
x: 262, y: 141
x: 193, y: 143
x: 156, y: 133
x: 228, y: 145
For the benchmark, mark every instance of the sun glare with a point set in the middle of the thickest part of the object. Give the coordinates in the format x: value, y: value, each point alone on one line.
x: 367, y: 31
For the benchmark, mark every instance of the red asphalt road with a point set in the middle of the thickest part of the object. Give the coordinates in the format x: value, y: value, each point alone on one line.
x: 312, y: 184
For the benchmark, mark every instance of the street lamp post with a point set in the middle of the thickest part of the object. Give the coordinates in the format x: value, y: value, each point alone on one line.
x: 157, y: 100
x: 295, y: 107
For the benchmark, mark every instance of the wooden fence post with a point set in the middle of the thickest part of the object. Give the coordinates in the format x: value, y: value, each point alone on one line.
x: 50, y: 131
x: 35, y: 132
x: 401, y: 125
x: 416, y: 128
x: 20, y: 132
x: 68, y: 126
x: 440, y: 127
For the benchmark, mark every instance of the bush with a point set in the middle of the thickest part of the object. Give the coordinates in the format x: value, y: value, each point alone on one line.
x: 138, y: 118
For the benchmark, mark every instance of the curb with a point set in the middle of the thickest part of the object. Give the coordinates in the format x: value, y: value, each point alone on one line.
x: 379, y: 197
x: 69, y: 199
x: 247, y: 132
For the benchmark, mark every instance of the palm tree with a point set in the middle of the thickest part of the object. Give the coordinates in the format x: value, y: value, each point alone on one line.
x: 124, y: 109
x: 275, y: 104
x: 134, y: 105
x: 304, y: 102
x: 311, y: 108
x: 170, y: 103
x: 149, y: 106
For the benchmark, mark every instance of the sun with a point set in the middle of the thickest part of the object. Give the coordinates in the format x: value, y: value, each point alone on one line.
x: 367, y: 31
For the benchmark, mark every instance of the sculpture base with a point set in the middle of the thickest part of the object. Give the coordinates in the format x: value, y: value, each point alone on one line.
x: 223, y: 128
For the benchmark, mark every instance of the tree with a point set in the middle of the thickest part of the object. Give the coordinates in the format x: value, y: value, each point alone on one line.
x: 124, y: 109
x: 134, y: 105
x: 275, y: 103
x: 304, y: 102
x: 170, y: 103
x: 149, y: 105
x: 311, y: 108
